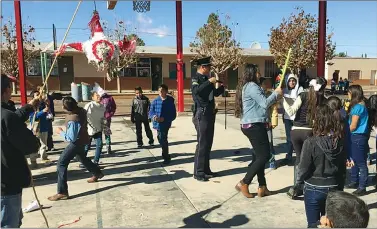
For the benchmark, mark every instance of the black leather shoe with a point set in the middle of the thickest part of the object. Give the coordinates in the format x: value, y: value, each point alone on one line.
x: 201, y: 178
x: 360, y: 192
x: 211, y: 175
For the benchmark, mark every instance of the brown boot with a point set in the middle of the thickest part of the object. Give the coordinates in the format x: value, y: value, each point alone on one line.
x: 58, y: 196
x: 95, y: 179
x: 244, y: 189
x: 263, y: 191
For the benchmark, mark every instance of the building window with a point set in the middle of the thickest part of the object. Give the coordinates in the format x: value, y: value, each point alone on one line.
x: 354, y: 75
x: 34, y: 67
x: 173, y: 71
x: 141, y: 69
x: 270, y: 69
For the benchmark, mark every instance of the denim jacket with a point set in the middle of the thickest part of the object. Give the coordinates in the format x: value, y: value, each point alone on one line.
x: 255, y: 104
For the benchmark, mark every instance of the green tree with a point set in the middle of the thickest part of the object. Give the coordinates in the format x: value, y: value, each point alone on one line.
x: 342, y: 54
x: 299, y: 32
x: 215, y: 39
x: 139, y: 41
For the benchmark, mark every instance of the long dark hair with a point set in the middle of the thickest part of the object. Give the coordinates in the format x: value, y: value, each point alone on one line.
x: 357, y: 95
x: 372, y: 109
x: 316, y: 98
x: 335, y: 104
x: 326, y: 123
x: 249, y: 75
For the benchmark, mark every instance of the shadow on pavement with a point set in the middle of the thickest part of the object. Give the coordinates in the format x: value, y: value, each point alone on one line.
x: 179, y: 174
x: 196, y: 220
x: 372, y: 206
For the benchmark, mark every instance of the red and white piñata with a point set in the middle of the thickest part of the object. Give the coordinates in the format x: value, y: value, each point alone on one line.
x: 98, y: 49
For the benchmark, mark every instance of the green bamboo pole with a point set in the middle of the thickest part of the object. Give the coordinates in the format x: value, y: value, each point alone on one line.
x: 45, y: 68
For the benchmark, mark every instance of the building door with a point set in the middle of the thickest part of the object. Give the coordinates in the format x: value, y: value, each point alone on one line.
x: 156, y: 65
x: 373, y: 77
x: 66, y: 75
x: 232, y: 78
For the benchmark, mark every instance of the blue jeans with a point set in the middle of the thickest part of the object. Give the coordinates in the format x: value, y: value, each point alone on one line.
x: 162, y: 136
x: 359, y: 151
x: 99, y: 144
x: 315, y: 202
x: 11, y: 212
x: 65, y: 158
x: 288, y: 127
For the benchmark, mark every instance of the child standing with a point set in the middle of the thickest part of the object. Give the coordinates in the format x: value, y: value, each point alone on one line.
x: 110, y: 108
x: 163, y: 113
x: 266, y: 85
x: 358, y: 120
x: 139, y: 116
x: 96, y: 119
x: 40, y: 129
x: 323, y: 163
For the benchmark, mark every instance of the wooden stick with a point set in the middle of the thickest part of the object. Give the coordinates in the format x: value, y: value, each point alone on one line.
x: 40, y: 94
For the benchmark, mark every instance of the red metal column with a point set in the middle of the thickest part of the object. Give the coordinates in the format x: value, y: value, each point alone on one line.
x: 178, y: 10
x: 321, y: 39
x: 20, y: 51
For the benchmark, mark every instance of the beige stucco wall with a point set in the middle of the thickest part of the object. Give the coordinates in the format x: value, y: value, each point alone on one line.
x: 260, y: 61
x: 81, y: 68
x: 166, y: 59
x: 365, y: 65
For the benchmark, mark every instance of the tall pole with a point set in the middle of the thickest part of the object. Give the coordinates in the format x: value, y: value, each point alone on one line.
x: 20, y: 51
x: 321, y: 38
x: 178, y: 10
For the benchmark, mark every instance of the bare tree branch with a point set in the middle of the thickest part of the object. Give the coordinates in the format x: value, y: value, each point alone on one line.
x: 9, y: 58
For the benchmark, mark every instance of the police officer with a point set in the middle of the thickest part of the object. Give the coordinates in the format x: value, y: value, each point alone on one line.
x: 204, y: 113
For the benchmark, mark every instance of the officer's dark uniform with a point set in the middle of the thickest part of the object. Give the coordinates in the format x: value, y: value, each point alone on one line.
x: 204, y: 113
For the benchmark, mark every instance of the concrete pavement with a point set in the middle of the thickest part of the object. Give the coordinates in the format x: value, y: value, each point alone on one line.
x: 137, y: 191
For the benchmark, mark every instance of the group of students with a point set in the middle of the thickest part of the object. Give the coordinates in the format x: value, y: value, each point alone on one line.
x: 325, y: 137
x: 341, y: 86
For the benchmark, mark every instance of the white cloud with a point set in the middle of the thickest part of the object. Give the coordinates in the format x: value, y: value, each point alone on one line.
x: 160, y: 31
x: 144, y: 20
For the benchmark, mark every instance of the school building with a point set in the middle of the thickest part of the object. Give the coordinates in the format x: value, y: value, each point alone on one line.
x: 157, y: 65
x: 358, y: 70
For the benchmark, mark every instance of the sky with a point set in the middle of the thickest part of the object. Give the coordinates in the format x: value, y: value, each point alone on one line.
x: 354, y: 23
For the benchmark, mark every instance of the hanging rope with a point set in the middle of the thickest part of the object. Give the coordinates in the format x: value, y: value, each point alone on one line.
x: 40, y: 93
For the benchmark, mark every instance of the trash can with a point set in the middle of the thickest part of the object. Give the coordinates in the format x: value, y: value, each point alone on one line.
x: 86, y: 91
x: 76, y: 92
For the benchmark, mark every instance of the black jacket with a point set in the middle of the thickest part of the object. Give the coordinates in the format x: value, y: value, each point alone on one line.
x: 16, y: 142
x: 323, y: 162
x: 140, y: 108
x: 204, y: 92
